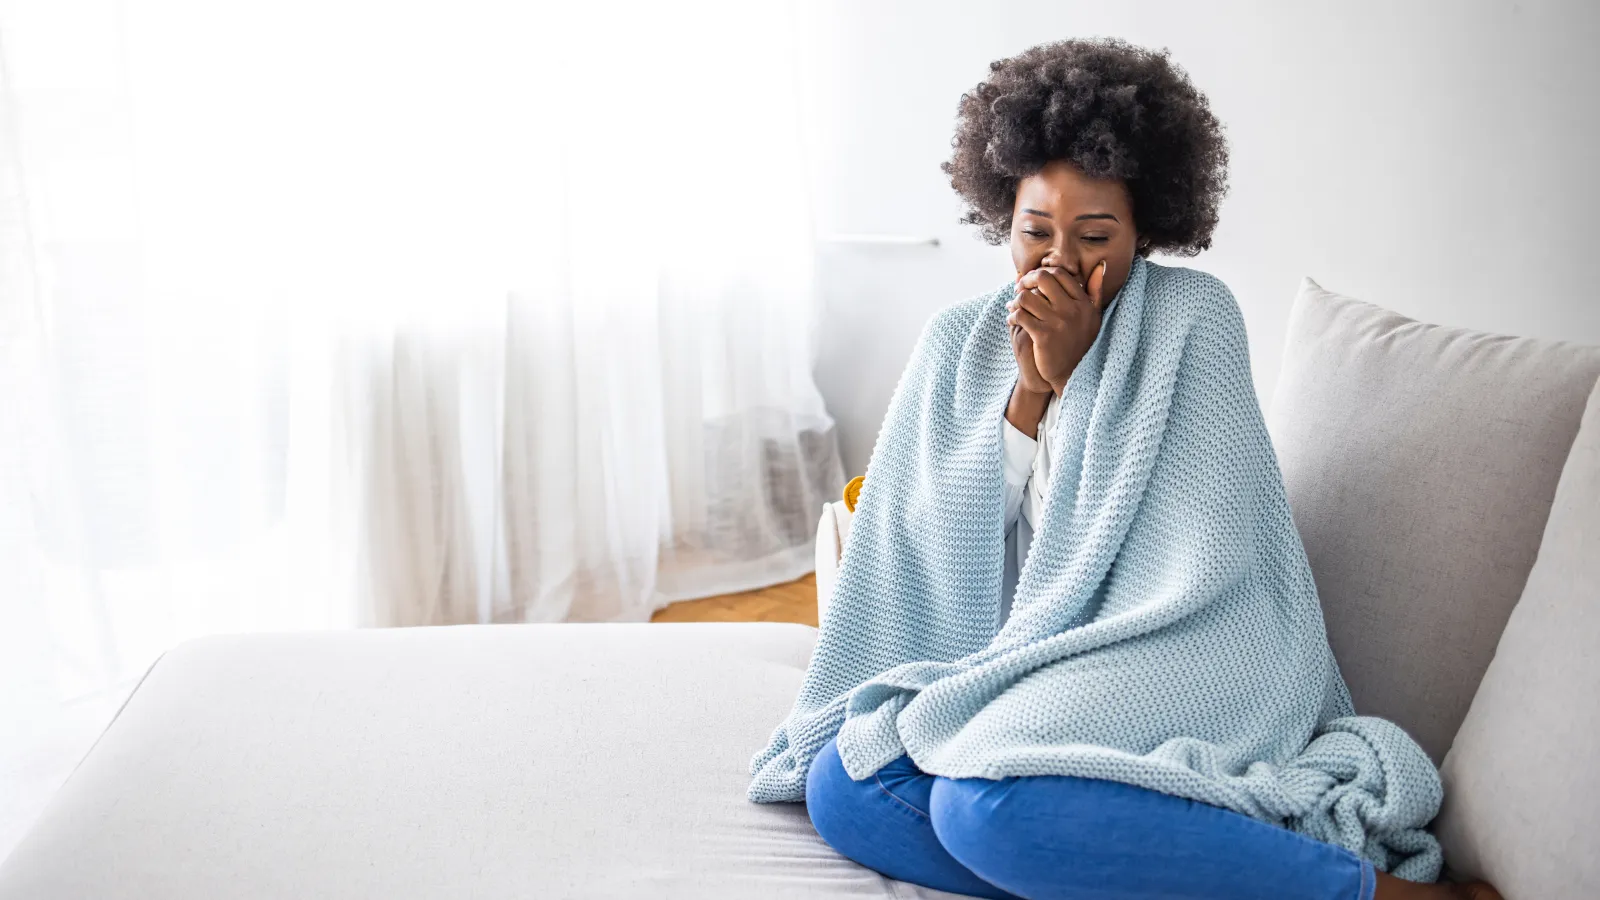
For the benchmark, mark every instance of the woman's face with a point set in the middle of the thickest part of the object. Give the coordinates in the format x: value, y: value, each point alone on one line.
x: 1067, y: 219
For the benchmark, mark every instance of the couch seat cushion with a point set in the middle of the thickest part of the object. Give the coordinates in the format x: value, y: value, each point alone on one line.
x: 481, y: 761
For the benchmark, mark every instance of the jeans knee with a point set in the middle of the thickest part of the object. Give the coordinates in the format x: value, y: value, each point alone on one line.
x: 977, y: 826
x: 827, y: 786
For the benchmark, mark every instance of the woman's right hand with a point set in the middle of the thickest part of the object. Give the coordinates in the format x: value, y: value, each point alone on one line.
x: 1028, y: 377
x: 1031, y: 395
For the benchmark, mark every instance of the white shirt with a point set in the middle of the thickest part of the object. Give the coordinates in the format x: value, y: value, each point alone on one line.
x: 1026, y: 463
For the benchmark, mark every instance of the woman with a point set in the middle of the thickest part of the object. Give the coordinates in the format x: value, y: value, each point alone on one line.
x: 1077, y: 652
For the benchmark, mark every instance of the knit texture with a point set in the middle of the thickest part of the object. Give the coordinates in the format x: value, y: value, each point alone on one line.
x: 1165, y: 631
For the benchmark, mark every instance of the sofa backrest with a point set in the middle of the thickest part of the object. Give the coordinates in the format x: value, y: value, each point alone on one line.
x: 1420, y: 462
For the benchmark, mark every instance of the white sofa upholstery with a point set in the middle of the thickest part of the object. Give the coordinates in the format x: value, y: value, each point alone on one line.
x: 539, y: 761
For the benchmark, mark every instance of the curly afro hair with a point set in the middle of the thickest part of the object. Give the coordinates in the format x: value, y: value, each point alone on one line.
x: 1113, y: 110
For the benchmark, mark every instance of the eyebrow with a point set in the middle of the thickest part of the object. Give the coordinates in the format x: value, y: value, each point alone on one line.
x: 1040, y: 212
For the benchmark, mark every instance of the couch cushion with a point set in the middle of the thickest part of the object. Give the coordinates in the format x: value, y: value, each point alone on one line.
x: 485, y: 761
x: 1420, y: 462
x: 1522, y: 791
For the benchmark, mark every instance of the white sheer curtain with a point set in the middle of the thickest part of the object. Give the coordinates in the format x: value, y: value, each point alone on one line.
x: 322, y: 313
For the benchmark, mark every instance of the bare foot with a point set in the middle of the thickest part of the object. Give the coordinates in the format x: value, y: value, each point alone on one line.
x: 1476, y: 890
x: 1392, y: 888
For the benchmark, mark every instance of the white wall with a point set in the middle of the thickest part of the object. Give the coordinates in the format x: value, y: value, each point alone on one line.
x: 1435, y: 158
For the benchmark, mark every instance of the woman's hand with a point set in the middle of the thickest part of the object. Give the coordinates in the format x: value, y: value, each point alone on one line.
x: 1028, y: 377
x: 1059, y: 317
x: 1031, y: 397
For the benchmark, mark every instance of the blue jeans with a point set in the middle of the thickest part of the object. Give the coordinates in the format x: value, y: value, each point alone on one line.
x: 1060, y: 836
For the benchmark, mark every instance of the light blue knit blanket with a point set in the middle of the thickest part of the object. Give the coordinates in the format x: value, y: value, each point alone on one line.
x: 1165, y: 631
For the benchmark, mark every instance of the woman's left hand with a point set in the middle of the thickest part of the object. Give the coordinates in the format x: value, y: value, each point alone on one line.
x: 1062, y: 317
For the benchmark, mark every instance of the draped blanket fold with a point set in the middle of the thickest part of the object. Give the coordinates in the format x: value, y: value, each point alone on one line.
x: 1165, y: 631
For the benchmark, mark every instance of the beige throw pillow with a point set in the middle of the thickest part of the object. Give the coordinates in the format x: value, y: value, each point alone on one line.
x: 1420, y: 462
x: 1522, y: 781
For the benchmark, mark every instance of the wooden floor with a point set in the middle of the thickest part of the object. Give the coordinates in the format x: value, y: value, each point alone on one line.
x: 792, y: 602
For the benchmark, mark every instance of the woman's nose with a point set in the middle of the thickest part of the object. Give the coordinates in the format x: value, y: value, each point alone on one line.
x: 1060, y: 262
x: 1058, y: 258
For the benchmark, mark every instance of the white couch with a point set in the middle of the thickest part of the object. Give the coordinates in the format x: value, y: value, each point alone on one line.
x: 482, y: 761
x: 1427, y: 468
